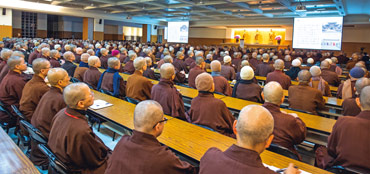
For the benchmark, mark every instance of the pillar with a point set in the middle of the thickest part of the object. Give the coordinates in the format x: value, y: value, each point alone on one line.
x: 87, y: 28
x: 42, y: 27
x: 144, y: 37
x: 6, y: 29
x: 98, y: 29
x: 120, y: 35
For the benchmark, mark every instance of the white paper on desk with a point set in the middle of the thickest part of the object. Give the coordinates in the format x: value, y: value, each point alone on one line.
x: 98, y: 104
x: 275, y: 169
x: 186, y: 75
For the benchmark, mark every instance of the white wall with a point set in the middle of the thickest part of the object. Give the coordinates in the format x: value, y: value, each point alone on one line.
x: 6, y: 19
x: 97, y: 26
x: 207, y: 33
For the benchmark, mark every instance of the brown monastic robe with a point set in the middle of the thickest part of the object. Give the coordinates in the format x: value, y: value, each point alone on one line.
x: 330, y: 76
x: 193, y: 73
x: 11, y: 92
x: 54, y: 63
x: 72, y: 140
x: 142, y: 153
x: 340, y: 89
x: 149, y: 73
x: 92, y: 76
x: 306, y: 98
x: 104, y: 61
x: 222, y: 85
x: 211, y: 112
x: 166, y: 94
x: 129, y: 67
x: 79, y: 73
x: 235, y: 159
x: 32, y: 56
x: 138, y: 87
x: 250, y: 92
x: 288, y: 130
x: 228, y: 72
x: 263, y: 69
x: 350, y: 107
x: 31, y: 95
x: 280, y: 77
x: 4, y: 72
x: 107, y: 84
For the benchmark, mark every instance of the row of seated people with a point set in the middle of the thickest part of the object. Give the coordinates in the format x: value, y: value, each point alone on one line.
x: 200, y: 105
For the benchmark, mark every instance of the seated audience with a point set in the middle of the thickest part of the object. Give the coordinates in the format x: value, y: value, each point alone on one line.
x: 92, y: 74
x: 71, y: 138
x: 4, y: 68
x: 254, y: 133
x: 179, y: 62
x: 68, y: 65
x: 54, y: 58
x: 138, y: 87
x: 149, y: 73
x: 294, y: 70
x: 82, y: 68
x: 194, y: 72
x: 279, y: 76
x: 328, y: 75
x: 265, y: 67
x: 221, y: 84
x: 220, y: 119
x: 347, y: 89
x: 104, y: 58
x: 304, y: 97
x: 111, y: 81
x: 245, y: 88
x: 318, y: 82
x: 351, y: 106
x: 129, y: 66
x: 227, y: 70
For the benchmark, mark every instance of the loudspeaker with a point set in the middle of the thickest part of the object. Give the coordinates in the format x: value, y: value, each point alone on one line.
x: 155, y: 27
x: 4, y: 11
x: 100, y: 21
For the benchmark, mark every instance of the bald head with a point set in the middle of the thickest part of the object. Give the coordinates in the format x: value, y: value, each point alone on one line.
x: 167, y: 71
x: 113, y: 62
x: 199, y: 61
x: 279, y: 64
x: 139, y: 63
x: 324, y: 64
x: 304, y: 76
x: 18, y: 53
x: 245, y: 63
x: 55, y: 75
x: 69, y: 56
x: 365, y: 98
x: 6, y: 53
x: 74, y: 93
x: 14, y: 61
x: 85, y: 57
x: 255, y: 125
x: 146, y: 115
x: 93, y: 61
x: 39, y: 64
x: 273, y: 93
x: 361, y: 83
x: 216, y: 66
x: 167, y: 59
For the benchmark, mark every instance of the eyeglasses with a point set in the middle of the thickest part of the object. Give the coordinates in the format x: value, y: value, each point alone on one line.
x: 164, y: 120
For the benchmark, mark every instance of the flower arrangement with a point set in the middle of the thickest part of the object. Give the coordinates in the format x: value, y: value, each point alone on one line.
x: 278, y: 37
x: 237, y: 37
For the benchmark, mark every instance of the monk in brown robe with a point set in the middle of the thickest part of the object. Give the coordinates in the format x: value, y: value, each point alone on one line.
x: 304, y: 97
x: 245, y: 88
x: 129, y: 66
x: 144, y: 152
x: 329, y: 76
x: 104, y: 58
x: 227, y: 70
x: 347, y: 89
x: 5, y: 68
x: 289, y: 129
x: 92, y: 75
x: 220, y: 119
x: 279, y: 76
x: 82, y: 68
x: 179, y: 62
x: 194, y: 72
x: 33, y: 55
x: 254, y: 133
x: 138, y: 87
x: 50, y: 104
x: 348, y: 144
x: 11, y: 86
x: 166, y: 94
x: 5, y: 55
x: 45, y: 53
x: 265, y: 67
x: 351, y: 106
x: 68, y: 65
x: 71, y: 138
x: 221, y: 84
x: 318, y: 82
x: 54, y: 58
x: 35, y: 88
x: 111, y: 81
x: 149, y: 73
x: 190, y: 59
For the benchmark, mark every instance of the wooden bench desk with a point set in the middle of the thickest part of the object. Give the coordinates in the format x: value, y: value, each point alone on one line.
x: 12, y: 159
x: 188, y: 139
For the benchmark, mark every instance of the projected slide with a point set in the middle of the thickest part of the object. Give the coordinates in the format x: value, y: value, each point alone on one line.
x: 178, y: 32
x: 318, y: 33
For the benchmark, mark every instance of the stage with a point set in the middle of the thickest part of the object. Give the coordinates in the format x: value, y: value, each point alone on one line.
x: 256, y: 45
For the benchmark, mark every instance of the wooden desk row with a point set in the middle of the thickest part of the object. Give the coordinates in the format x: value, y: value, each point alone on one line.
x: 12, y: 159
x: 312, y: 121
x: 188, y: 139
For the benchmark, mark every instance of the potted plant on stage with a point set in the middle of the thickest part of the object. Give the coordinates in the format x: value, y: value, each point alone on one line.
x: 237, y: 37
x: 278, y: 39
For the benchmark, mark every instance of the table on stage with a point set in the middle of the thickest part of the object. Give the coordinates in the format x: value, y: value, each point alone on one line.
x: 12, y: 159
x: 186, y: 138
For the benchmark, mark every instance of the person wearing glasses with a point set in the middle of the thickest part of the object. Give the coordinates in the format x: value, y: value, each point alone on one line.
x: 142, y: 152
x: 253, y: 131
x: 71, y: 138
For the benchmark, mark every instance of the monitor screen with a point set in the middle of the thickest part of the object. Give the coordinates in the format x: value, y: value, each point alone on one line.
x: 178, y: 32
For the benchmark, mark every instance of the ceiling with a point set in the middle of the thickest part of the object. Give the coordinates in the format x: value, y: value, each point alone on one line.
x: 215, y: 10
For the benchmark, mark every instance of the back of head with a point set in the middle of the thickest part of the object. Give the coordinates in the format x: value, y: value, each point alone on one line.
x: 304, y: 76
x: 279, y: 64
x: 147, y: 113
x: 334, y: 60
x: 246, y: 73
x: 53, y: 53
x: 139, y: 63
x: 68, y: 56
x: 227, y: 59
x: 93, y: 60
x: 148, y: 61
x: 39, y: 64
x: 287, y: 58
x: 329, y: 60
x: 365, y: 98
x: 324, y: 64
x: 13, y: 61
x: 265, y: 57
x: 315, y: 71
x: 45, y: 51
x: 167, y: 71
x: 310, y: 60
x: 132, y: 55
x: 85, y: 57
x: 79, y: 50
x: 74, y: 93
x: 199, y: 61
x: 273, y: 93
x: 216, y: 66
x: 361, y: 83
x: 56, y: 74
x: 204, y: 82
x: 245, y: 63
x: 296, y: 63
x: 18, y: 53
x: 6, y: 53
x: 91, y: 52
x: 167, y: 59
x: 113, y: 62
x: 255, y: 125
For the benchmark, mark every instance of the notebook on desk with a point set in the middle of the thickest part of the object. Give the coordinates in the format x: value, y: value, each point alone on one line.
x: 99, y: 104
x: 275, y: 169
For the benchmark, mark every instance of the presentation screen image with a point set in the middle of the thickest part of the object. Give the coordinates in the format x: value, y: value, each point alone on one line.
x: 178, y: 32
x: 324, y: 33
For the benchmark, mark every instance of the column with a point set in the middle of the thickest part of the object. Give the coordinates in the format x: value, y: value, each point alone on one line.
x: 120, y: 35
x: 144, y: 37
x: 42, y: 21
x: 98, y: 29
x: 6, y: 24
x: 87, y: 28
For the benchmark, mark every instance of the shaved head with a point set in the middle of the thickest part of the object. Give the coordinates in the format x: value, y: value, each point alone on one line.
x: 365, y: 98
x: 139, y: 63
x: 361, y: 83
x: 167, y: 59
x: 69, y: 56
x: 324, y: 64
x: 273, y: 92
x: 85, y: 57
x: 279, y: 64
x: 56, y: 74
x: 93, y: 60
x: 255, y: 125
x: 147, y: 113
x: 39, y: 64
x: 216, y: 66
x: 113, y: 62
x: 304, y: 76
x: 18, y: 53
x: 167, y: 71
x: 74, y: 93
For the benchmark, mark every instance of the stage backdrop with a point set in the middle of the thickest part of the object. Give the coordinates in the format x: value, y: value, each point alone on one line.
x: 259, y: 35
